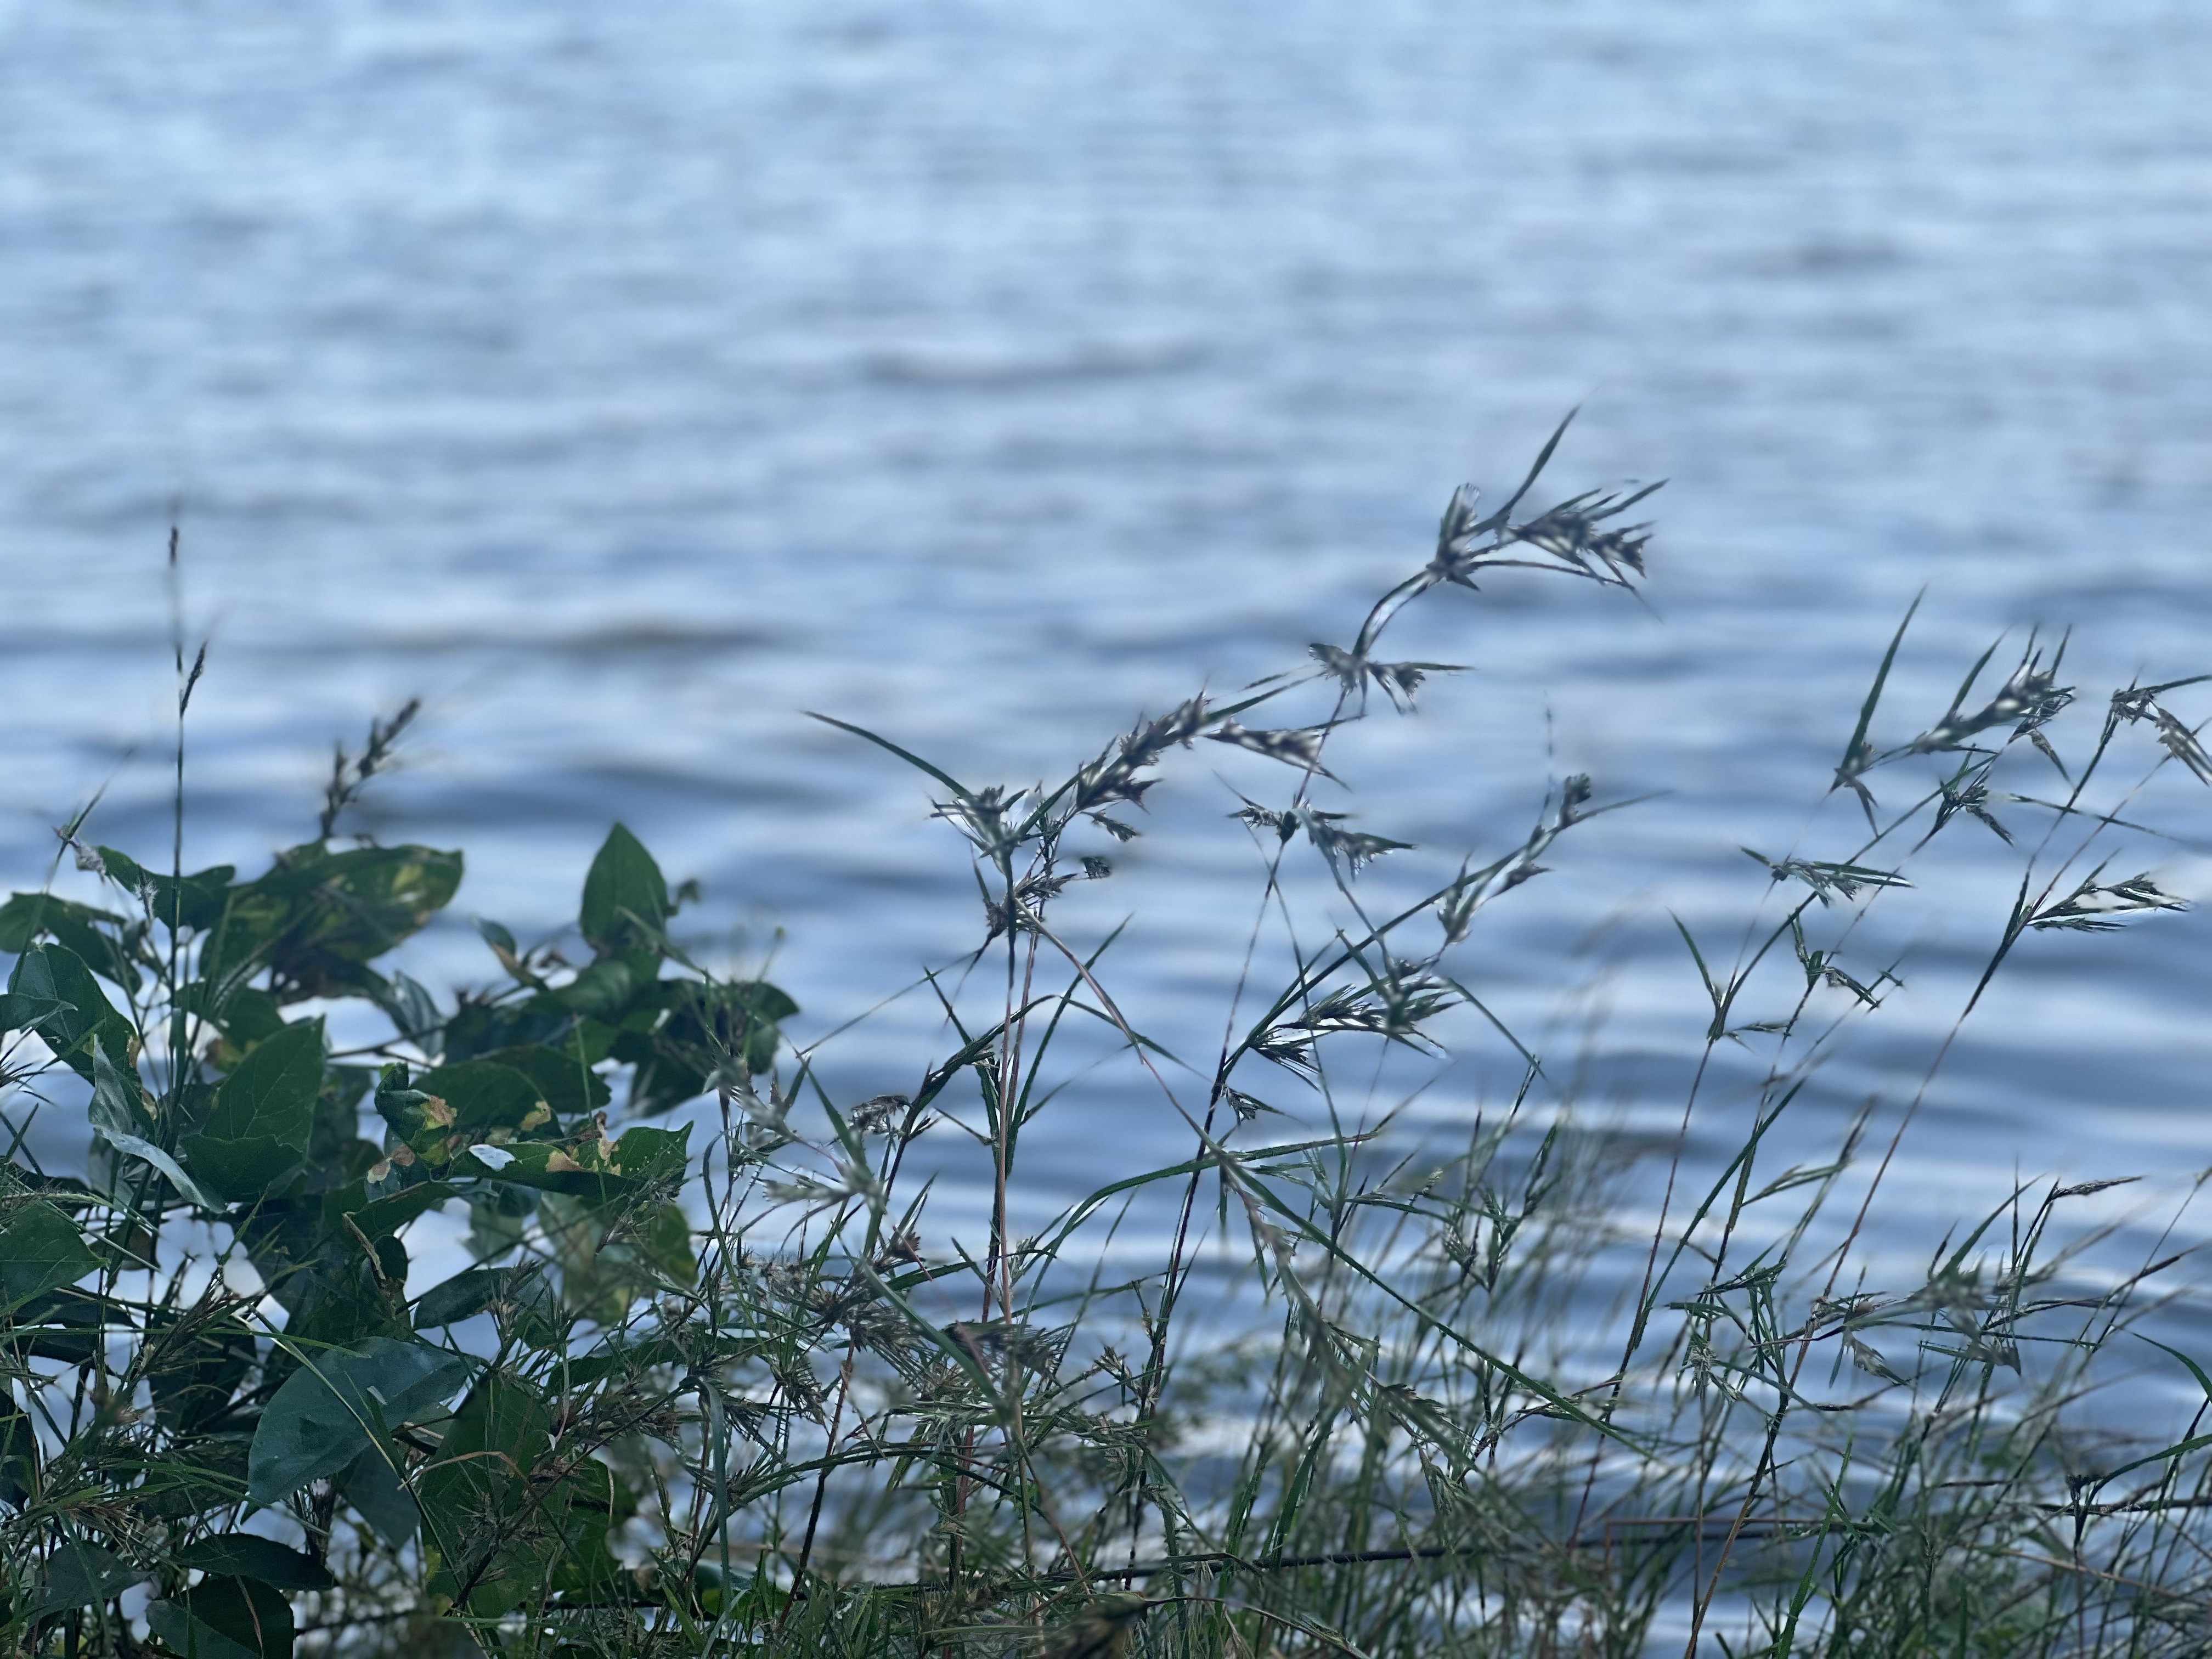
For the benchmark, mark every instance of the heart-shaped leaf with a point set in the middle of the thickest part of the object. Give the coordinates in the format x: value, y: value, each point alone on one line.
x: 338, y: 1405
x: 249, y: 1555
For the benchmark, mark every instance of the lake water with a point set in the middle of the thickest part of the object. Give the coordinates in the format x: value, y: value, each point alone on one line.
x: 624, y: 380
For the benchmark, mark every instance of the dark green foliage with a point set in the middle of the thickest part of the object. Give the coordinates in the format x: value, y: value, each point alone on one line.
x: 225, y: 1618
x: 337, y: 1406
x: 79, y: 1016
x: 249, y: 1555
x: 79, y: 1574
x: 510, y: 1519
x: 263, y: 1120
x: 625, y: 897
x: 40, y: 1250
x: 317, y: 1400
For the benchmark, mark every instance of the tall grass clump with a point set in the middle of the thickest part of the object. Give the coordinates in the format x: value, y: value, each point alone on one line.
x: 717, y: 1379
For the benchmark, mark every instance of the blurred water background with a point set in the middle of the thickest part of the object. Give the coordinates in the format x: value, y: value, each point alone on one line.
x: 625, y: 380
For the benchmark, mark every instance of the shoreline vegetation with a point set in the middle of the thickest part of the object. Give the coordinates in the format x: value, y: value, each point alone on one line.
x: 713, y: 1382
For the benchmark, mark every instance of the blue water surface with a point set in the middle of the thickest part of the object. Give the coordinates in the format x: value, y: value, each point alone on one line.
x: 624, y: 380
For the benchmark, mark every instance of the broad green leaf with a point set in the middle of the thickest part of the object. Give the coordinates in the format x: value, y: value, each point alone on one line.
x: 578, y: 1171
x: 54, y: 973
x: 485, y: 1031
x: 485, y: 1095
x: 244, y: 1014
x: 241, y: 1170
x: 272, y: 1093
x: 689, y: 1029
x: 75, y: 927
x: 197, y: 901
x: 464, y: 1296
x: 68, y: 1324
x: 263, y: 1118
x: 564, y: 1077
x: 81, y: 1574
x: 498, y: 1216
x: 490, y: 1524
x: 381, y: 1218
x: 625, y: 895
x: 630, y: 1360
x: 658, y: 1155
x: 371, y: 1484
x: 18, y: 1454
x: 19, y: 1013
x: 662, y: 1236
x: 249, y: 1555
x: 23, y: 918
x: 446, y: 1109
x: 506, y: 1525
x: 320, y: 917
x: 118, y: 1119
x: 586, y: 1505
x: 225, y: 1618
x: 333, y: 1408
x: 604, y: 990
x: 40, y: 1250
x: 353, y: 1302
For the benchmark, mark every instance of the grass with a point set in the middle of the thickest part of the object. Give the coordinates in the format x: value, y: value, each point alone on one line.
x: 720, y: 1379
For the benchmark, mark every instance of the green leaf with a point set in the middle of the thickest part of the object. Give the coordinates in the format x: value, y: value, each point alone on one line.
x: 549, y: 1169
x: 197, y: 901
x: 372, y: 1484
x: 68, y: 1325
x: 656, y: 1154
x: 663, y: 1236
x: 625, y: 895
x: 225, y: 1618
x: 587, y: 1504
x: 19, y: 1013
x: 380, y: 1217
x: 242, y: 1013
x: 506, y: 1525
x: 249, y: 1555
x: 604, y: 990
x: 81, y: 1574
x: 118, y: 1118
x: 488, y: 1525
x: 211, y: 1476
x: 18, y: 1454
x: 23, y: 918
x: 54, y: 973
x: 272, y: 1092
x: 320, y: 917
x: 40, y: 1250
x: 241, y: 1170
x: 464, y: 1296
x: 353, y: 1301
x: 335, y: 1406
x: 446, y: 1109
x: 704, y: 1025
x: 564, y: 1077
x: 28, y: 917
x: 483, y: 1094
x: 264, y: 1114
